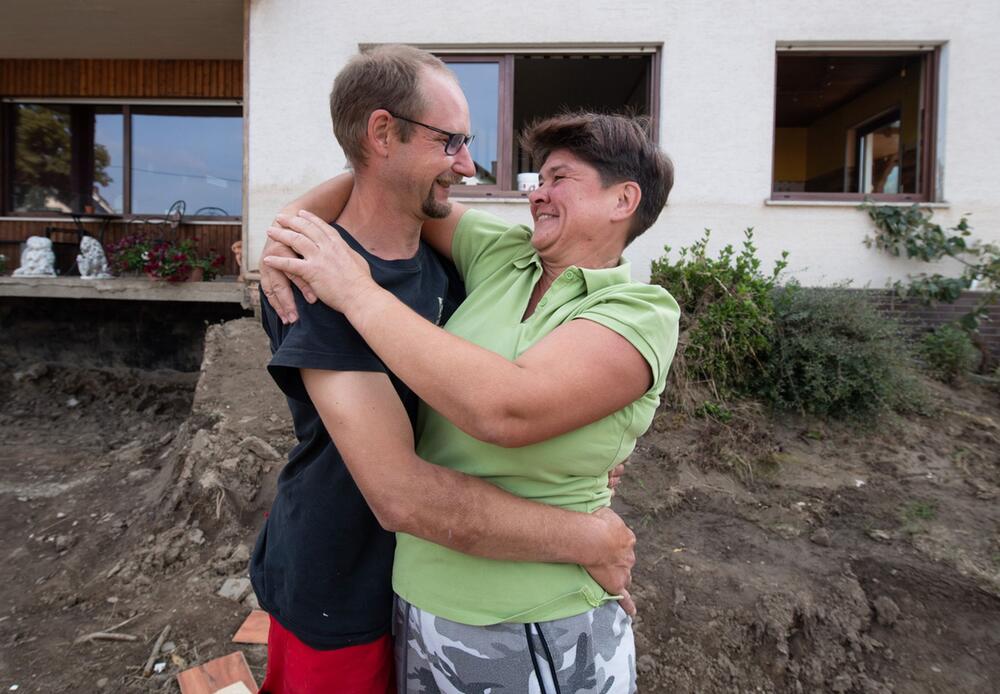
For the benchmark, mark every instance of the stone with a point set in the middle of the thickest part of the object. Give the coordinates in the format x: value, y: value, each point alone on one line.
x: 886, y: 611
x: 880, y: 535
x: 821, y: 537
x: 235, y: 589
x: 646, y: 663
x: 241, y: 554
x: 168, y: 647
x: 129, y: 456
x: 230, y: 464
x: 841, y: 683
x: 140, y: 475
x: 102, y: 683
x: 201, y: 442
x: 260, y: 448
x: 91, y: 261
x: 251, y: 601
x: 32, y: 373
x: 37, y: 259
x: 65, y: 542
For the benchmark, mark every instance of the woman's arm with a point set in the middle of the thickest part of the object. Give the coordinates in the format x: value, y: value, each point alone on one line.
x: 326, y: 201
x: 579, y: 373
x: 438, y: 233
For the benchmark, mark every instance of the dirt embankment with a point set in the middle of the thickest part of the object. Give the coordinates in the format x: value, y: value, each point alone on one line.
x: 135, y: 494
x: 799, y: 556
x: 775, y: 555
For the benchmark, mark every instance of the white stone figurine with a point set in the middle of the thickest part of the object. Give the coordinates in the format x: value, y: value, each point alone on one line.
x: 37, y: 260
x: 91, y: 261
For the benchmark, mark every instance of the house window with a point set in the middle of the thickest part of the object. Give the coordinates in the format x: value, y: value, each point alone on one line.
x: 851, y: 126
x: 508, y: 92
x: 133, y: 159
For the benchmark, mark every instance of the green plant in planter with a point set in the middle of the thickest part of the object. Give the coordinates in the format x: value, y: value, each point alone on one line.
x: 178, y: 261
x: 128, y: 255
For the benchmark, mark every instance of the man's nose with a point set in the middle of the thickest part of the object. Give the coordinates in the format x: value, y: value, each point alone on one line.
x: 463, y: 163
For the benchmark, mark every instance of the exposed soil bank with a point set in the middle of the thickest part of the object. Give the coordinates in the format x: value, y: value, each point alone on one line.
x: 785, y: 555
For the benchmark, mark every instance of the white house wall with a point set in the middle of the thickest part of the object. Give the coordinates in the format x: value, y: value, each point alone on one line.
x: 716, y: 106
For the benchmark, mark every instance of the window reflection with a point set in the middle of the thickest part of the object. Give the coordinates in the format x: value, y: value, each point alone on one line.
x: 43, y: 158
x: 108, y: 192
x: 481, y: 84
x: 192, y: 156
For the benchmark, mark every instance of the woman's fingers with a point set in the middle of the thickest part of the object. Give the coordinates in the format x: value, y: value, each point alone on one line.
x: 298, y: 242
x: 289, y: 266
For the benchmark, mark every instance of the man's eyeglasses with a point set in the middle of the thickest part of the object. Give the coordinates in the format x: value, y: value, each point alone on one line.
x: 454, y: 142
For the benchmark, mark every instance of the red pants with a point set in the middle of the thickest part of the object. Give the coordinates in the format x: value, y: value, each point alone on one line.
x: 295, y: 668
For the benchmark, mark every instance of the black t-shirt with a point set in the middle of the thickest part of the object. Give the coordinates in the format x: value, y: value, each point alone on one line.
x: 322, y: 565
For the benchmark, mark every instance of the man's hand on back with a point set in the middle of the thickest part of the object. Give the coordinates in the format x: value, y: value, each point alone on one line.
x: 614, y: 573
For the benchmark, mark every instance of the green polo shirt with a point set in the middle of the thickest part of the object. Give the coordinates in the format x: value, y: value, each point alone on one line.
x: 500, y: 269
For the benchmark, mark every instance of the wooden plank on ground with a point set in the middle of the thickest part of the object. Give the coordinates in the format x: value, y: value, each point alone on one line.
x: 254, y: 628
x: 210, y: 677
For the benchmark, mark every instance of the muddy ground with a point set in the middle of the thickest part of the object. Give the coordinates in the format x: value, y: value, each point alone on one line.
x: 788, y: 555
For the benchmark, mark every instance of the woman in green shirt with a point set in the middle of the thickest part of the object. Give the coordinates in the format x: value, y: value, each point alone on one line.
x: 540, y: 382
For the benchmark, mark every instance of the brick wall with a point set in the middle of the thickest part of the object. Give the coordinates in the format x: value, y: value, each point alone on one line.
x: 921, y: 318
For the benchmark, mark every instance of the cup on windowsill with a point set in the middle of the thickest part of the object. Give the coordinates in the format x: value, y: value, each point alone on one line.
x: 527, y: 182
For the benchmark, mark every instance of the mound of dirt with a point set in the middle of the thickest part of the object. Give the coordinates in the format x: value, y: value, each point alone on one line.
x: 137, y: 495
x: 776, y: 554
x: 795, y: 555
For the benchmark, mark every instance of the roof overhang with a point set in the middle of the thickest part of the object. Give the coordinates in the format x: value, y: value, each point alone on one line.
x: 122, y: 29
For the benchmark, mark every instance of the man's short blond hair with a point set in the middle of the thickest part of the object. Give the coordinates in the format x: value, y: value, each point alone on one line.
x: 386, y: 77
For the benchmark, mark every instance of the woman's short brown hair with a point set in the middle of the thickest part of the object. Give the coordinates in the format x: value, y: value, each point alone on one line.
x: 383, y: 77
x: 619, y: 147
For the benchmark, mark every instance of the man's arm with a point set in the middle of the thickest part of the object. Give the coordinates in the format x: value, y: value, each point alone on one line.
x: 366, y: 420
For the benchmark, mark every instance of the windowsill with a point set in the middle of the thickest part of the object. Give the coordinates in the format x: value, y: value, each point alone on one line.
x: 138, y: 220
x: 225, y: 290
x: 770, y: 202
x: 505, y: 198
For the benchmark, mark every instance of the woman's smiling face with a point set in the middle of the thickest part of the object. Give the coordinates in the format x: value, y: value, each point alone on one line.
x: 571, y: 205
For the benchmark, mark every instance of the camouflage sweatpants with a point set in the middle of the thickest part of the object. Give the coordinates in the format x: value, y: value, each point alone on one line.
x: 592, y: 653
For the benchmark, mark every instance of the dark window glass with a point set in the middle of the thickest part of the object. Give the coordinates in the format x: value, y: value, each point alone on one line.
x: 43, y: 158
x: 194, y: 156
x: 546, y: 85
x: 848, y: 124
x: 481, y: 84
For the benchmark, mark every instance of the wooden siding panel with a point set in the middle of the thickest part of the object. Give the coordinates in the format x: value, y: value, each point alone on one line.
x: 204, y: 79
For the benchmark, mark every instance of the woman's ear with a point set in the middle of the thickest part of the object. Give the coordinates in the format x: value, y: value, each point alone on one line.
x: 628, y: 197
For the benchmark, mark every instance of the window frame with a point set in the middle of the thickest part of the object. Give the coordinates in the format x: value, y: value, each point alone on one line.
x: 505, y: 122
x: 929, y: 116
x: 171, y: 107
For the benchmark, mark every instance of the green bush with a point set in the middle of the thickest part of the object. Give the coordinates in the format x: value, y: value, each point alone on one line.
x: 726, y: 313
x: 949, y: 353
x: 834, y: 355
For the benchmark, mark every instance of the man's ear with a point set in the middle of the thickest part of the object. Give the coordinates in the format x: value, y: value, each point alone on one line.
x: 628, y: 197
x: 379, y: 133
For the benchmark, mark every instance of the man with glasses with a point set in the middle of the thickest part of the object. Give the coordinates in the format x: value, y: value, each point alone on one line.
x: 322, y: 564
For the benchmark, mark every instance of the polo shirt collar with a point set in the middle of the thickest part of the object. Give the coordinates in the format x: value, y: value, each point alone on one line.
x: 593, y: 279
x: 606, y: 277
